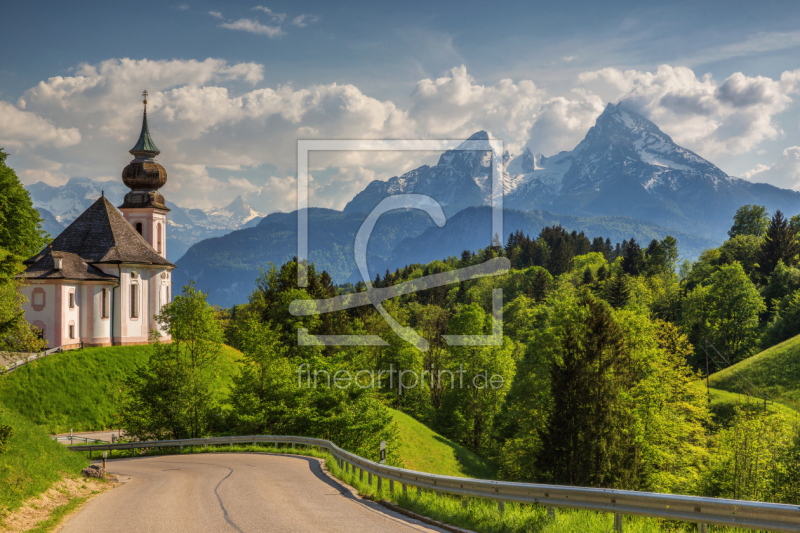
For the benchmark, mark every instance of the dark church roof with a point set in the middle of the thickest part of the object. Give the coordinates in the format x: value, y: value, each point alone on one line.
x: 100, y: 235
x: 72, y: 267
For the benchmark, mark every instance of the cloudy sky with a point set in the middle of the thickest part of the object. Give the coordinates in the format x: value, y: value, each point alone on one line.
x: 233, y: 85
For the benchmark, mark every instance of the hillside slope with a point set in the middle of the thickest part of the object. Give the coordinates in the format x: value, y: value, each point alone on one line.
x: 75, y: 389
x: 424, y: 450
x: 775, y: 371
x: 32, y: 461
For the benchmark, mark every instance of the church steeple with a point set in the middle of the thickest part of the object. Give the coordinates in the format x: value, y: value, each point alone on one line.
x: 144, y: 206
x: 144, y: 175
x: 145, y: 147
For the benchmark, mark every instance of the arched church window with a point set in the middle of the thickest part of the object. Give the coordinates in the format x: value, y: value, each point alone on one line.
x: 139, y: 227
x: 134, y: 300
x: 105, y: 303
x: 158, y: 238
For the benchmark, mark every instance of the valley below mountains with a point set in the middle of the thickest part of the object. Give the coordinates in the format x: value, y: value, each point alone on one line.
x: 626, y: 179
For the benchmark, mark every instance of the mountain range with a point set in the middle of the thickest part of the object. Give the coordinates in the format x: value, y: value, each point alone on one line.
x: 59, y: 206
x: 625, y: 166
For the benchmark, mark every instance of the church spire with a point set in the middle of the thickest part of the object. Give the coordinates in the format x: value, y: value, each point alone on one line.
x: 145, y: 147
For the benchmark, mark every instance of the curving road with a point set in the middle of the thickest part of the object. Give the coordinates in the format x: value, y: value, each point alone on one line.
x: 232, y: 492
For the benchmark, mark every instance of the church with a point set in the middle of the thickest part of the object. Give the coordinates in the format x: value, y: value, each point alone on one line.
x: 102, y: 280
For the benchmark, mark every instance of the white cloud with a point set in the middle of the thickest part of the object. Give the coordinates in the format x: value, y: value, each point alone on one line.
x: 784, y: 173
x: 569, y: 59
x: 20, y: 128
x: 183, y: 7
x: 216, y: 15
x: 219, y: 140
x: 253, y: 26
x: 276, y: 17
x: 700, y: 113
x: 304, y: 20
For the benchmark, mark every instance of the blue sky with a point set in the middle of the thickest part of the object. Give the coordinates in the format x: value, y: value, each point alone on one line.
x: 235, y: 84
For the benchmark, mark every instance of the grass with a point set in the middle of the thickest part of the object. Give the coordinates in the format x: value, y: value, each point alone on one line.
x: 32, y: 462
x: 723, y: 405
x: 482, y: 516
x: 75, y: 389
x: 775, y: 371
x: 424, y: 450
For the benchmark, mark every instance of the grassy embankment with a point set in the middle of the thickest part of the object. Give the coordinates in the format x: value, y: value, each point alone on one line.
x: 75, y: 389
x: 32, y: 462
x: 424, y: 450
x: 775, y: 371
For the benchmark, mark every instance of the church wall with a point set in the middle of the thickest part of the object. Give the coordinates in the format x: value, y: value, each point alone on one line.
x: 69, y: 316
x: 99, y: 333
x: 154, y: 223
x: 43, y: 314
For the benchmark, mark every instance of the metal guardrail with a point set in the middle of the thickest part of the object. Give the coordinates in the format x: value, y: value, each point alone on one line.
x: 73, y: 438
x: 703, y: 511
x: 33, y: 357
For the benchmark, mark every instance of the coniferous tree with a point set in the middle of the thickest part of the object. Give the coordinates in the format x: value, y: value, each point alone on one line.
x: 633, y: 262
x: 588, y: 277
x: 618, y: 291
x: 541, y: 284
x: 582, y: 443
x: 779, y: 245
x: 602, y: 273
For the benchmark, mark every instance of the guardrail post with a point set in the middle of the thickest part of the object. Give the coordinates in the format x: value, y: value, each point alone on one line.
x: 551, y: 513
x: 391, y: 486
x: 702, y: 528
x: 405, y: 489
x: 464, y: 502
x: 617, y: 521
x: 369, y: 478
x: 380, y: 484
x: 501, y: 505
x: 361, y: 474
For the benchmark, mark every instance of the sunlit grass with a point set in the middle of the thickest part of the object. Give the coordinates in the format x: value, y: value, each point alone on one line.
x: 76, y: 389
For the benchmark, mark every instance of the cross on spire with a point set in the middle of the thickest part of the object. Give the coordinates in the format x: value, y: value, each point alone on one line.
x: 144, y: 93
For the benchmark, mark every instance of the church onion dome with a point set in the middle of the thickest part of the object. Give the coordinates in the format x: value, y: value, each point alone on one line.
x: 144, y: 175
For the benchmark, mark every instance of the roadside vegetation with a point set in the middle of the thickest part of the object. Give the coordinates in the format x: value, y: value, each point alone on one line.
x: 31, y: 461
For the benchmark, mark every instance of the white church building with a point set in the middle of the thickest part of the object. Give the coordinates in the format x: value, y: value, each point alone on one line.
x: 102, y: 280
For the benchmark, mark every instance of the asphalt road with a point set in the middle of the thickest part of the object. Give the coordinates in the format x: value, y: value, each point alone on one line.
x: 232, y: 492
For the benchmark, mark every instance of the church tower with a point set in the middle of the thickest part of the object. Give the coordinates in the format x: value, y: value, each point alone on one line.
x: 144, y: 206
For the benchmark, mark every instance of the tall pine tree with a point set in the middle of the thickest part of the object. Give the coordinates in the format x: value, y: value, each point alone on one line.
x: 779, y: 245
x: 583, y: 442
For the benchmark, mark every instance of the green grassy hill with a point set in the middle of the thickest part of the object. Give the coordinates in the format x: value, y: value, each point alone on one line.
x: 75, y: 389
x: 775, y: 371
x: 723, y: 405
x: 32, y: 462
x: 424, y: 450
